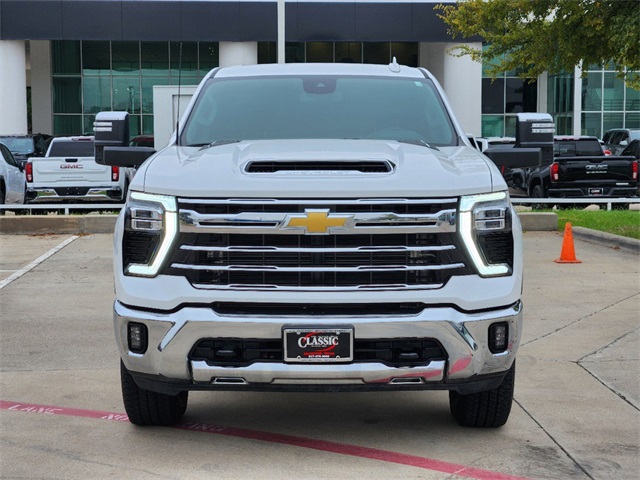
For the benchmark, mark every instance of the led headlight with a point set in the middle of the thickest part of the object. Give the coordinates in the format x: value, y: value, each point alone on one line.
x: 485, y: 227
x: 151, y: 226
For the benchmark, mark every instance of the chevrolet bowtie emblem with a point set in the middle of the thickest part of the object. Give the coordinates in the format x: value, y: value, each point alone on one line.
x: 317, y: 221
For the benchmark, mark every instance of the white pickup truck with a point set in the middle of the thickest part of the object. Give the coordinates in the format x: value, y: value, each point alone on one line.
x: 69, y: 173
x: 315, y: 227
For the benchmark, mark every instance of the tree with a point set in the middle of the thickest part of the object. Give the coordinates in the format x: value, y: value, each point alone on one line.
x: 535, y: 36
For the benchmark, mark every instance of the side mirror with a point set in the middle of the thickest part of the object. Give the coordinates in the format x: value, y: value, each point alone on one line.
x: 515, y: 157
x: 111, y: 129
x: 126, y: 156
x: 536, y: 130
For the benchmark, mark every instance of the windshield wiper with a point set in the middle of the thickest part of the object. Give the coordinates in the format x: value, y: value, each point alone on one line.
x: 215, y: 143
x: 422, y: 143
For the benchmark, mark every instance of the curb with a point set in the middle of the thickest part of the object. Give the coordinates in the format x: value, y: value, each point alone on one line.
x: 605, y: 239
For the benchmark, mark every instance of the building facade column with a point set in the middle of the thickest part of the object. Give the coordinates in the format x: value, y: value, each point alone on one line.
x: 41, y: 90
x: 238, y: 53
x: 13, y: 87
x: 461, y: 79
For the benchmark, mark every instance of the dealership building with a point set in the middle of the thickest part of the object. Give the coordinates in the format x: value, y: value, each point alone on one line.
x: 62, y: 61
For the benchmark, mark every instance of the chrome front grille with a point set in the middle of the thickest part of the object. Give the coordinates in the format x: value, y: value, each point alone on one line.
x: 311, y: 244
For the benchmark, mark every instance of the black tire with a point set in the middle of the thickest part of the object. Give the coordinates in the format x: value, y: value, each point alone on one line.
x: 488, y: 409
x: 537, y: 192
x: 2, y: 197
x: 145, y: 407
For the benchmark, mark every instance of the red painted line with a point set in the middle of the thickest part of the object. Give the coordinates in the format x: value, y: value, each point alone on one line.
x: 322, y: 445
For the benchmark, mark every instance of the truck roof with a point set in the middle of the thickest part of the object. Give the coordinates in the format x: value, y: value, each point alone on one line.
x: 391, y: 70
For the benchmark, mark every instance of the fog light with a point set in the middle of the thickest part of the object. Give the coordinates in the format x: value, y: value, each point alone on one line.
x: 498, y: 337
x: 137, y: 336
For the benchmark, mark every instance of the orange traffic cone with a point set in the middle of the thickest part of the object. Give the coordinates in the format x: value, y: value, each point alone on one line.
x: 568, y: 253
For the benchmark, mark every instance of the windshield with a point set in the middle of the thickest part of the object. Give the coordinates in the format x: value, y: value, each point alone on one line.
x: 18, y: 145
x: 312, y: 107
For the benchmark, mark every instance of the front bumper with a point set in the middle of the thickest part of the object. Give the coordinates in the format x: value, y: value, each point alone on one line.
x: 469, y: 366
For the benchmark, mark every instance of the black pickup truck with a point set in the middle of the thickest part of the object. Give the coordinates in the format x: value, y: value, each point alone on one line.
x: 580, y: 169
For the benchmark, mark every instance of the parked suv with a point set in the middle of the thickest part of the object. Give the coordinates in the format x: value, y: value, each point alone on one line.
x: 617, y: 139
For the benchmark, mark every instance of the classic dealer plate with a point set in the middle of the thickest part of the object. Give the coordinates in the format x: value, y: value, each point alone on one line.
x: 318, y: 344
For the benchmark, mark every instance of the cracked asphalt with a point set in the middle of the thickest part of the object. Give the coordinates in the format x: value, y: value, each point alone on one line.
x: 576, y: 413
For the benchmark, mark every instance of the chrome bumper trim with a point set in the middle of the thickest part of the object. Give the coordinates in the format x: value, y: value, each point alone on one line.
x: 325, y: 374
x: 463, y: 336
x: 49, y: 194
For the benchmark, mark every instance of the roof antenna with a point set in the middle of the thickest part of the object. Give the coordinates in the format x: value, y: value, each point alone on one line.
x: 179, y: 85
x: 393, y: 66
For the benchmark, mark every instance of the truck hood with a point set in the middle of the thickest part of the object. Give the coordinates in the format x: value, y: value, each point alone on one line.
x: 222, y: 171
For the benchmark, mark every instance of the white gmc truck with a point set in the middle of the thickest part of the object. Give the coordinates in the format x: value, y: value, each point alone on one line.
x: 315, y: 227
x: 68, y: 173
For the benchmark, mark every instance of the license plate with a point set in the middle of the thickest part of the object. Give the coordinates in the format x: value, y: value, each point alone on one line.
x: 330, y: 345
x: 595, y: 191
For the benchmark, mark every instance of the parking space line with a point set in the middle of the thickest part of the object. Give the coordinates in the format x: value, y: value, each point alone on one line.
x: 322, y: 445
x: 36, y: 262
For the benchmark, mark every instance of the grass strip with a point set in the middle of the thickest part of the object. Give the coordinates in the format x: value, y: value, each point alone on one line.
x: 618, y: 222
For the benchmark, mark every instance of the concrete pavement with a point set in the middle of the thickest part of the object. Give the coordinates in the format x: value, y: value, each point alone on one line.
x: 576, y: 412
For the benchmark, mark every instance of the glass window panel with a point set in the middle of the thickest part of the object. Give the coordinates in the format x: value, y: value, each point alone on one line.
x: 126, y: 58
x: 184, y: 80
x: 493, y: 95
x: 406, y: 53
x: 97, y: 94
x: 147, y: 124
x: 66, y: 57
x: 613, y: 93
x: 564, y: 94
x: 564, y: 124
x: 126, y: 94
x: 509, y: 126
x: 632, y: 99
x: 96, y: 58
x: 208, y: 57
x: 486, y: 64
x: 67, y: 97
x: 87, y: 122
x: 514, y: 95
x: 530, y: 96
x: 632, y: 120
x: 592, y: 91
x: 612, y: 120
x: 268, y: 53
x: 154, y: 58
x: 348, y: 52
x: 320, y: 52
x: 294, y: 52
x: 134, y: 125
x: 552, y: 93
x: 591, y: 124
x: 377, y: 52
x: 147, y: 91
x: 67, y: 124
x: 492, y: 125
x: 189, y: 58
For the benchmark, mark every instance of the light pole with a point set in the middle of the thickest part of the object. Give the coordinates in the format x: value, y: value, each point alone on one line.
x: 281, y: 49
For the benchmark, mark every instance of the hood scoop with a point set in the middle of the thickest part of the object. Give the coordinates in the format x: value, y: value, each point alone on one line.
x: 270, y: 166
